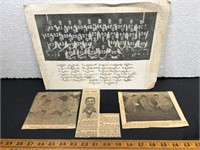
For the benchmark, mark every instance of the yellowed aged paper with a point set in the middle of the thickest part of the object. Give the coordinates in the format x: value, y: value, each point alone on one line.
x: 109, y: 125
x: 91, y: 123
x: 103, y: 46
x: 88, y: 119
x: 150, y: 109
x: 53, y: 110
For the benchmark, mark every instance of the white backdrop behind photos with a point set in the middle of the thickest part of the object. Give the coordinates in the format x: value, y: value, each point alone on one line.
x: 180, y: 57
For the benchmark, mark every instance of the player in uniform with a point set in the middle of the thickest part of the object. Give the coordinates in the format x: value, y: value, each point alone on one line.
x: 109, y: 26
x: 59, y: 27
x: 142, y: 44
x: 93, y: 33
x: 114, y: 54
x: 89, y: 25
x: 70, y: 53
x: 87, y: 44
x: 70, y: 26
x: 75, y: 34
x: 131, y: 34
x: 103, y: 52
x: 81, y: 54
x: 120, y: 25
x: 85, y: 35
x: 79, y: 27
x: 123, y: 33
x: 132, y: 44
x: 62, y: 47
x: 99, y: 25
x: 112, y: 42
x: 102, y: 33
x: 93, y: 53
x: 51, y: 53
x: 127, y: 53
x: 114, y: 33
x: 71, y: 43
x: 130, y: 25
x: 122, y: 43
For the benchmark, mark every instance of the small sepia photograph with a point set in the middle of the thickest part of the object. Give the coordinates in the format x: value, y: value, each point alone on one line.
x: 90, y: 109
x: 105, y: 36
x: 150, y: 109
x: 53, y: 110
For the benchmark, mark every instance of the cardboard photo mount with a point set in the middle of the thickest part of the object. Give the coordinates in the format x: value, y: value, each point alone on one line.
x: 63, y: 67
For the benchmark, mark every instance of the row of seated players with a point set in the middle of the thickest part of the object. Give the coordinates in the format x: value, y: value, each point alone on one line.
x: 95, y: 30
x: 97, y: 49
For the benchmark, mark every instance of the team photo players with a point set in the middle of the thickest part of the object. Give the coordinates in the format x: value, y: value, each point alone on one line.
x: 95, y: 39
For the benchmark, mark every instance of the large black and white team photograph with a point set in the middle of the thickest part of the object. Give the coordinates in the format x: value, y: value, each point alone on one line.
x: 106, y: 36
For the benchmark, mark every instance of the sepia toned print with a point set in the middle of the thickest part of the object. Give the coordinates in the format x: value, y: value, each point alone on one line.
x: 153, y: 109
x: 53, y: 110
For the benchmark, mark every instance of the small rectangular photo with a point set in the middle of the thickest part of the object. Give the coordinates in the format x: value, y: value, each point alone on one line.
x: 150, y: 109
x: 53, y: 110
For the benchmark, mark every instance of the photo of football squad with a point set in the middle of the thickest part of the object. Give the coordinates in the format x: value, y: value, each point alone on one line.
x: 87, y: 37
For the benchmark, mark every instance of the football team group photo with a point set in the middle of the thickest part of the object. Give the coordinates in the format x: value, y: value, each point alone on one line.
x: 123, y: 36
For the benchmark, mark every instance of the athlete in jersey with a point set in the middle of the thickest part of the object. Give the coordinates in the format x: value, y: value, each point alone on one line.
x: 79, y: 42
x: 130, y: 25
x: 87, y: 44
x: 99, y: 25
x: 113, y: 42
x: 131, y: 34
x: 62, y: 47
x: 123, y: 33
x: 89, y: 25
x: 93, y: 53
x: 79, y: 27
x: 81, y: 53
x: 85, y: 35
x: 70, y: 26
x: 113, y: 32
x: 70, y: 54
x: 114, y: 54
x: 103, y: 41
x: 120, y: 25
x: 59, y: 27
x: 142, y: 44
x: 127, y: 53
x: 132, y: 44
x: 93, y: 33
x: 75, y: 35
x: 109, y: 25
x: 50, y: 52
x: 143, y: 32
x: 103, y: 52
x: 122, y: 43
x: 49, y: 27
x: 95, y: 43
x: 71, y: 43
x: 102, y: 33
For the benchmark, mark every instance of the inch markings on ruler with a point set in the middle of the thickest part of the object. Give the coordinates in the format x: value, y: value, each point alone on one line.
x: 98, y: 144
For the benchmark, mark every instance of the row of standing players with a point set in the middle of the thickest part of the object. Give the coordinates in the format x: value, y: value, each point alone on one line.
x: 96, y: 41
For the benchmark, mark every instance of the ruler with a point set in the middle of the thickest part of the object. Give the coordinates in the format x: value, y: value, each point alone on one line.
x: 36, y: 144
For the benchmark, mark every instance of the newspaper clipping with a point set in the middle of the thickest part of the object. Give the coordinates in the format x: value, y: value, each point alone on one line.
x: 53, y: 110
x: 93, y: 124
x: 103, y: 46
x: 150, y: 109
